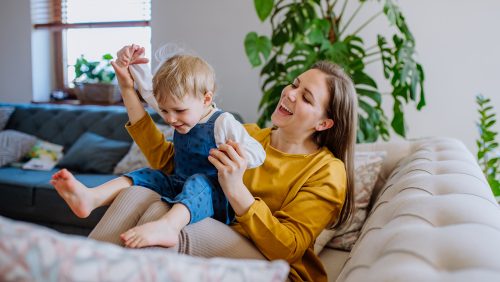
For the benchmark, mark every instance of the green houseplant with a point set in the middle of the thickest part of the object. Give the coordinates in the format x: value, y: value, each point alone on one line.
x: 487, y: 144
x: 94, y: 82
x: 306, y: 31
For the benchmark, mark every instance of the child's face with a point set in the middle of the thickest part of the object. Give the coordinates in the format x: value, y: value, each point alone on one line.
x: 183, y: 114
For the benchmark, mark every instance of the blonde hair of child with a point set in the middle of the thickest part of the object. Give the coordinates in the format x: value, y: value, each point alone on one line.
x: 181, y: 75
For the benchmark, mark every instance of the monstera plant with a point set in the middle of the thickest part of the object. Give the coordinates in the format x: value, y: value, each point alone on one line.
x: 306, y: 31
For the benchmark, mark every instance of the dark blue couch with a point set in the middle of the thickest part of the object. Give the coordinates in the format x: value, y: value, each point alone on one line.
x: 27, y: 194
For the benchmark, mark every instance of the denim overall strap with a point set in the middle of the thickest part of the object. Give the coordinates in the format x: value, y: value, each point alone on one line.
x: 191, y: 150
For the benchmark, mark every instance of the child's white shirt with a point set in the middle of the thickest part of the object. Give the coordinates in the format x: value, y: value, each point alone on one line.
x: 226, y: 127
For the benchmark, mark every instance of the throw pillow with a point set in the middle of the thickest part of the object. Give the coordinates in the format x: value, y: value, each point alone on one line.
x: 14, y: 145
x: 33, y: 253
x: 5, y: 113
x: 43, y: 156
x: 134, y: 159
x: 94, y: 153
x: 367, y: 166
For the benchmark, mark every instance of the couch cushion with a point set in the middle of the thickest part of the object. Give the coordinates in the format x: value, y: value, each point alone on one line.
x: 14, y: 145
x: 94, y: 153
x: 333, y: 260
x: 396, y: 150
x: 434, y: 220
x: 367, y: 167
x: 26, y: 194
x: 5, y: 113
x: 135, y: 159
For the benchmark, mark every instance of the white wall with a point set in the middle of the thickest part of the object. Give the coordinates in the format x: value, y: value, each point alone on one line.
x: 457, y: 42
x: 458, y: 46
x: 215, y: 30
x: 15, y: 51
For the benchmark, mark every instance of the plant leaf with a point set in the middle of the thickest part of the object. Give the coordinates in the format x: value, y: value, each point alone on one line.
x: 255, y: 46
x: 263, y: 8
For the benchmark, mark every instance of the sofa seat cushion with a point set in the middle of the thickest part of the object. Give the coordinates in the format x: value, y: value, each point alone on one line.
x: 25, y: 194
x: 434, y: 220
x: 333, y: 260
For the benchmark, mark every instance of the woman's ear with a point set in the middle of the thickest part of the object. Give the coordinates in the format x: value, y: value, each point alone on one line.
x: 208, y: 98
x: 324, y: 124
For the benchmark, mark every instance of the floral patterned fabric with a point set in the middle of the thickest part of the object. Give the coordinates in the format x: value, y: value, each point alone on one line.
x: 367, y: 167
x: 134, y: 159
x: 32, y: 253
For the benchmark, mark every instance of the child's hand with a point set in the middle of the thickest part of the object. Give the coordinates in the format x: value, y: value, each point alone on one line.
x: 128, y: 55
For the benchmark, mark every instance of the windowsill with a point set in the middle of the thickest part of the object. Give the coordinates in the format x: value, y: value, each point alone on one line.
x: 77, y: 102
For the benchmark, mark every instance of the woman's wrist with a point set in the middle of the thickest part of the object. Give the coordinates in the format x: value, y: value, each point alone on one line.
x: 240, y: 199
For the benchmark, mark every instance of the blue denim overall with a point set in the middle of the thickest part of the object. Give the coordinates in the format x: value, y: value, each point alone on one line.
x: 194, y: 181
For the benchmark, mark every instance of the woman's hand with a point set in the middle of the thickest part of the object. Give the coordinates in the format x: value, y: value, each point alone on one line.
x: 128, y: 55
x: 231, y: 165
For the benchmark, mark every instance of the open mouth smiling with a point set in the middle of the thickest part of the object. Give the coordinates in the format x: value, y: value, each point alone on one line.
x: 285, y: 109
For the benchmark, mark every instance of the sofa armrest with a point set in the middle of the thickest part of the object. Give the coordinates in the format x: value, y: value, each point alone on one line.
x: 434, y: 220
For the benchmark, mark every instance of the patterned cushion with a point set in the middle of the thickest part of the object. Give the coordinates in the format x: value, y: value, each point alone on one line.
x: 367, y: 168
x: 134, y: 159
x: 32, y: 253
x: 5, y: 113
x: 14, y: 145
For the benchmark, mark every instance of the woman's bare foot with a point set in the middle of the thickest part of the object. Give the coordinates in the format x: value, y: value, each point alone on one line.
x: 155, y: 233
x: 77, y: 196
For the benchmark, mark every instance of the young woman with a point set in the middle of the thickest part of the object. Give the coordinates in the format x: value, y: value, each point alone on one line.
x: 304, y: 185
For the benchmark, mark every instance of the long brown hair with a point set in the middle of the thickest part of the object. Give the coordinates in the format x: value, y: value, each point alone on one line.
x: 340, y: 139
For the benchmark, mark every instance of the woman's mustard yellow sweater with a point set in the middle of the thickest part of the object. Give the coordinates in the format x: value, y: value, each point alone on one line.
x: 296, y: 197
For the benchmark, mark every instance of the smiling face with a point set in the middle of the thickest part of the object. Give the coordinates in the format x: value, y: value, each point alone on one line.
x: 183, y: 114
x: 302, y: 106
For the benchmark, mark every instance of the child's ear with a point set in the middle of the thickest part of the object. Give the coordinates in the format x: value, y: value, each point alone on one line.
x: 324, y: 124
x: 208, y: 98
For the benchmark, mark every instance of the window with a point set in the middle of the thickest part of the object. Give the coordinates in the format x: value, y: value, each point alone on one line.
x: 91, y: 28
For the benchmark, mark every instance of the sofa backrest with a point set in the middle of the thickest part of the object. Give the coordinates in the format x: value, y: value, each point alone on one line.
x: 434, y: 220
x: 395, y: 151
x: 63, y: 124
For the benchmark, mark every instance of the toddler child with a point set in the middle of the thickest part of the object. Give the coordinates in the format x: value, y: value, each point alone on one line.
x: 183, y: 88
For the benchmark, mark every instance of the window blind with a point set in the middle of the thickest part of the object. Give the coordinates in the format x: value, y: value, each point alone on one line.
x: 63, y: 14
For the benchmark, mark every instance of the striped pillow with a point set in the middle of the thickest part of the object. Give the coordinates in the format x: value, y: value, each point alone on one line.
x: 14, y: 145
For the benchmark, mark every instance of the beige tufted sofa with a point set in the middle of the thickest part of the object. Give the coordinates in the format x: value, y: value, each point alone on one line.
x: 433, y: 218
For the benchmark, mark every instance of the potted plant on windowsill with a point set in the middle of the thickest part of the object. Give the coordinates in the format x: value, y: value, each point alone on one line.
x: 94, y: 82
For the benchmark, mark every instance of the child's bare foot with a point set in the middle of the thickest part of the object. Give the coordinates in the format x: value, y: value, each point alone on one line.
x: 76, y: 195
x: 155, y: 233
